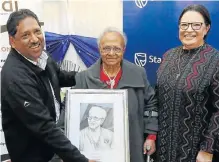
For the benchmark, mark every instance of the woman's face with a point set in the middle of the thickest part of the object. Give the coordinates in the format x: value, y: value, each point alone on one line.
x: 112, y: 48
x: 192, y: 29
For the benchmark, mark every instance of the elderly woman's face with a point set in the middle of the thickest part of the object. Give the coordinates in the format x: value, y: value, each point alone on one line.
x: 192, y: 29
x: 112, y: 48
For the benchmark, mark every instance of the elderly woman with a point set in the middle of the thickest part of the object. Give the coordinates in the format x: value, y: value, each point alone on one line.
x: 188, y: 93
x: 112, y: 71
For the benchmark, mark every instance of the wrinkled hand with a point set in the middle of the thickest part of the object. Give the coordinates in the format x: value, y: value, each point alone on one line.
x: 151, y: 144
x: 204, y: 157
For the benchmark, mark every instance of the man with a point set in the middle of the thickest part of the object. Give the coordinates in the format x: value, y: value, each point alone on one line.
x: 30, y: 96
x: 95, y: 137
x: 114, y: 72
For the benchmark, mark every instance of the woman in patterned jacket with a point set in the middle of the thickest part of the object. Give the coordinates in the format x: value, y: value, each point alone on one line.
x: 188, y: 93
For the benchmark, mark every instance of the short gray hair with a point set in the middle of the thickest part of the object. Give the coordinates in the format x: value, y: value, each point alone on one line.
x: 112, y: 29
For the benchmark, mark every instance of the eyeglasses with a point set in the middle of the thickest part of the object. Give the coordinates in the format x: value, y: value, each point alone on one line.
x: 194, y: 25
x: 107, y: 49
x: 94, y: 118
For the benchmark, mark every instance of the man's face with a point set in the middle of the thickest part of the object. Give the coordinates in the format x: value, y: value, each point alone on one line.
x: 95, y: 118
x: 112, y: 48
x: 28, y: 40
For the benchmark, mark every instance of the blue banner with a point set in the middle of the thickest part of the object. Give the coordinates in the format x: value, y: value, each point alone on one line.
x: 152, y: 29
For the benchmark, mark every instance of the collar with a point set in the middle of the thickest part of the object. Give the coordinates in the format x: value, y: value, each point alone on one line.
x: 41, y: 62
x: 194, y: 50
x: 104, y: 77
x: 132, y: 75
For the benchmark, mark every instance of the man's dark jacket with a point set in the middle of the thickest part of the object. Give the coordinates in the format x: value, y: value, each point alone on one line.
x: 28, y: 111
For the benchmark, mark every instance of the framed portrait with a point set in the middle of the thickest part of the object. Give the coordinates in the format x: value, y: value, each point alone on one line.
x: 97, y: 123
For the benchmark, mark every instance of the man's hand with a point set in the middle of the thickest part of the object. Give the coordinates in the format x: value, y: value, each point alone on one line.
x: 91, y: 161
x: 204, y: 157
x: 149, y: 146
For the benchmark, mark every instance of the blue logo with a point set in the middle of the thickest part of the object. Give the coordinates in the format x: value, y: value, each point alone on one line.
x: 140, y: 59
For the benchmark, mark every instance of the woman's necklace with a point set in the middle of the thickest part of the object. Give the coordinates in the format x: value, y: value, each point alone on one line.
x: 178, y: 64
x: 111, y: 82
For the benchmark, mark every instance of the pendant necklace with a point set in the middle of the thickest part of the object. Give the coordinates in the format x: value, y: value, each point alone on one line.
x: 111, y: 82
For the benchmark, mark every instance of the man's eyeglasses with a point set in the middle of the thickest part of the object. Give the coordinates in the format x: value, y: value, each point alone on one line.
x: 93, y: 118
x: 194, y: 25
x: 115, y: 49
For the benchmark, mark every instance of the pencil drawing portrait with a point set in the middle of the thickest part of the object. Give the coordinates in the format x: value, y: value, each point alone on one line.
x: 96, y: 127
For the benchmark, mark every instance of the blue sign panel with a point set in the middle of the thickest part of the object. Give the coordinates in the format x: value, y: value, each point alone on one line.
x: 152, y: 29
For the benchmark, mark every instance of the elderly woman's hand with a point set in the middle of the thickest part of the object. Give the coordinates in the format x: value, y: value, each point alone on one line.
x: 204, y: 157
x: 149, y: 146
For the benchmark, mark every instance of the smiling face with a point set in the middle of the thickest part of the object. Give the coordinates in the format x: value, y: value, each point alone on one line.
x: 192, y: 30
x: 28, y: 40
x: 112, y: 48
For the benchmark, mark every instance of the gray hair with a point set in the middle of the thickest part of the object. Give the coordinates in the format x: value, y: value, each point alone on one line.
x: 112, y: 29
